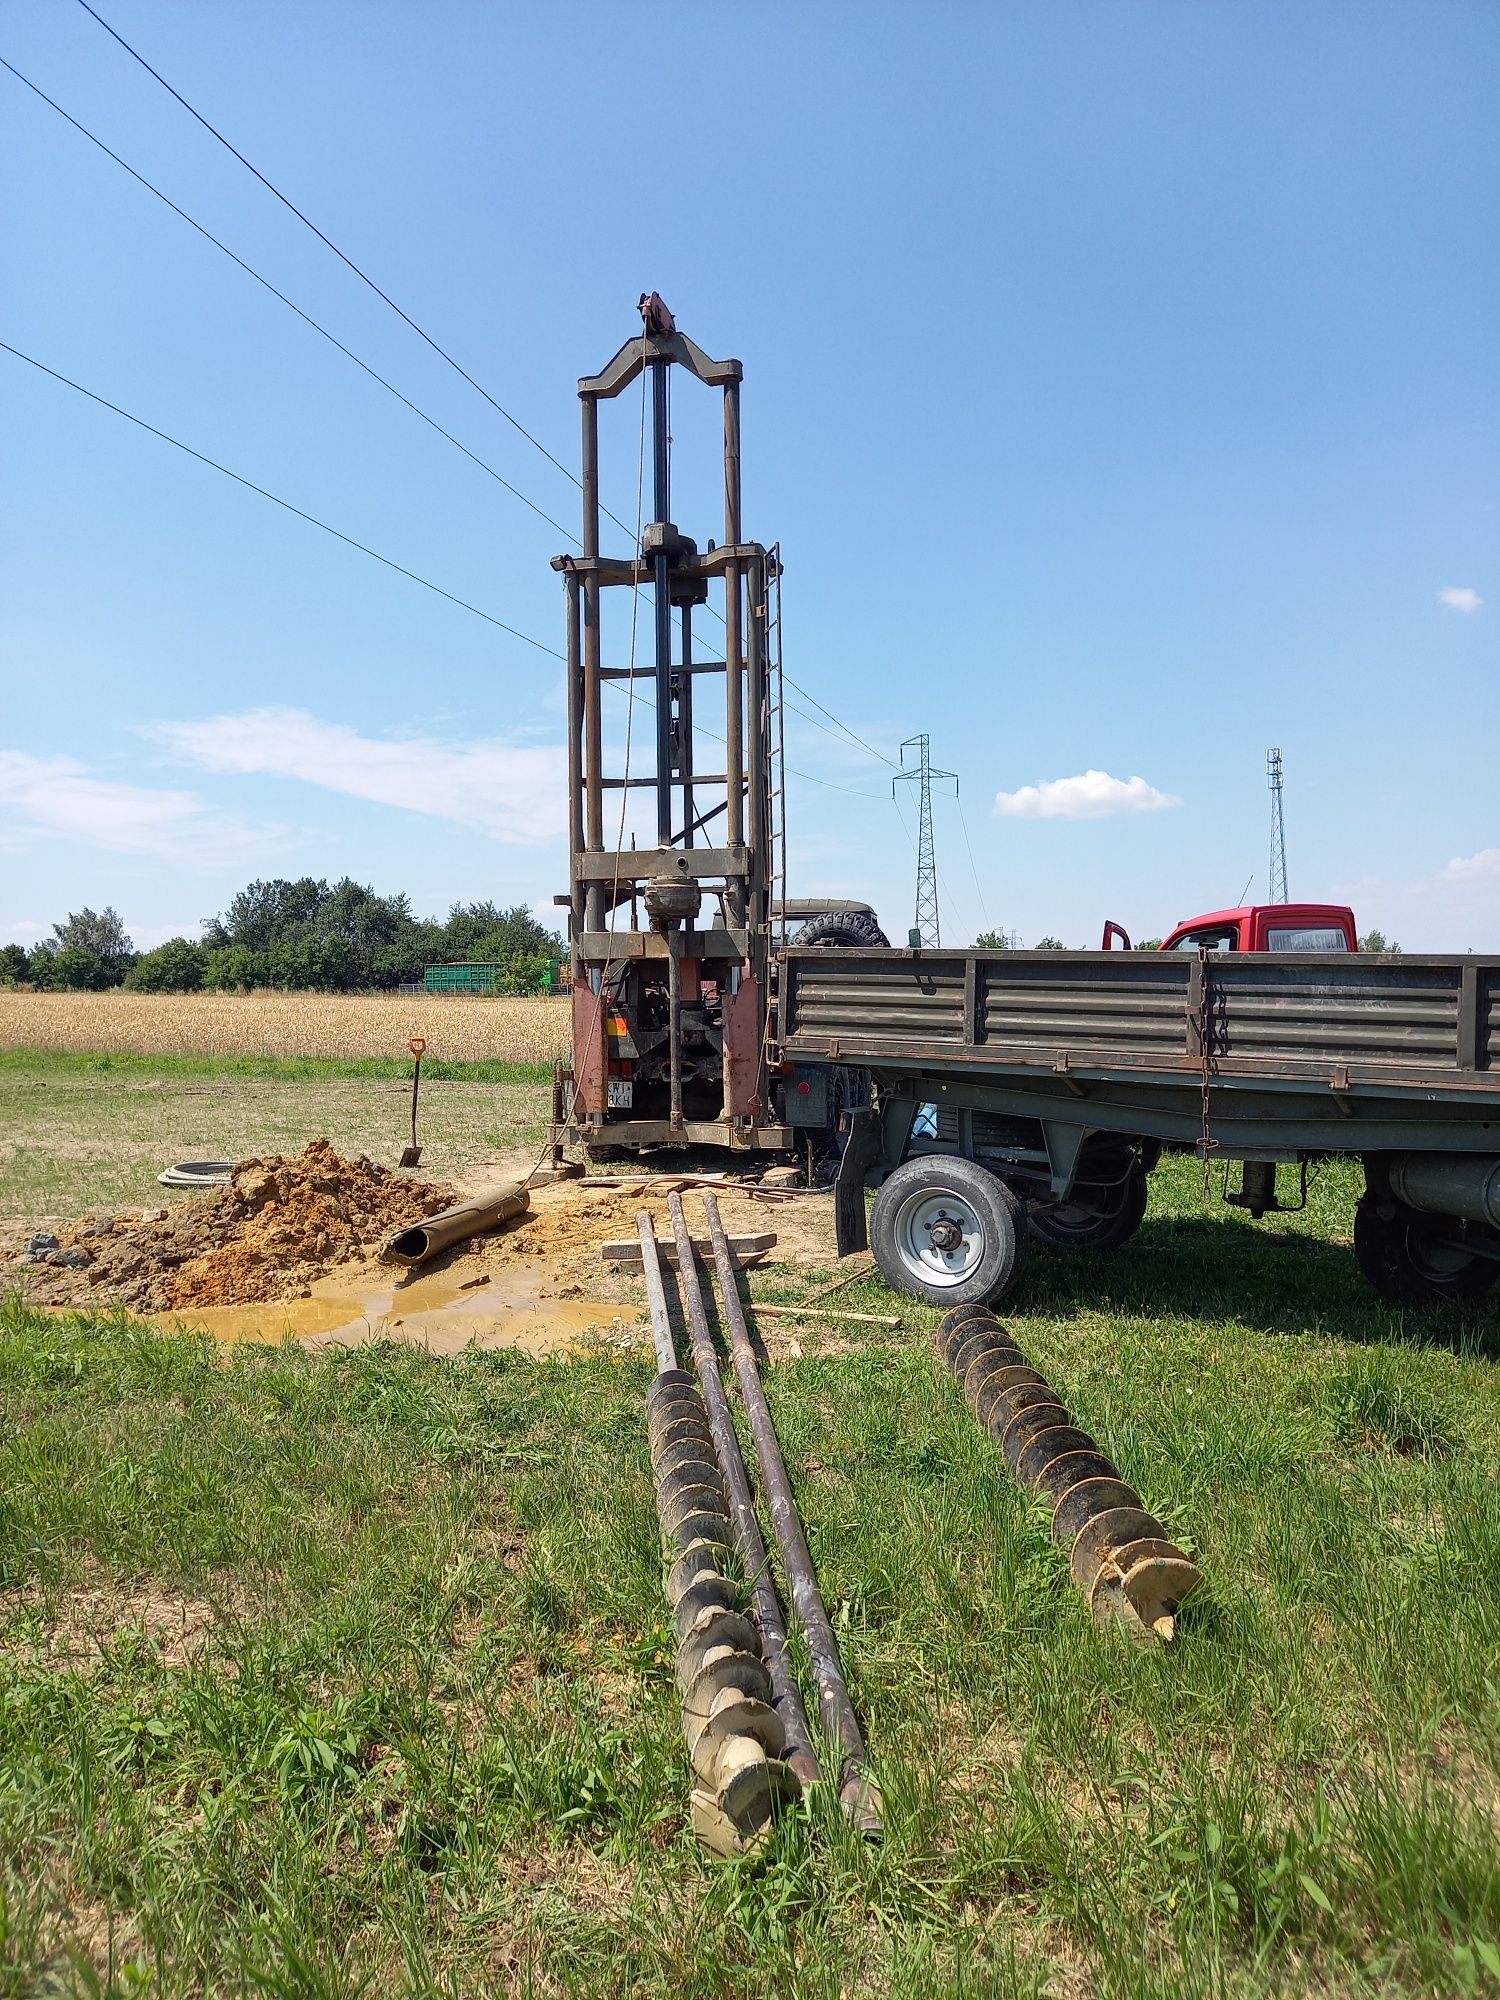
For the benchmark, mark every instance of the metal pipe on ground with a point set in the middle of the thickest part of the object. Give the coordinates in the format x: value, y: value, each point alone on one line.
x: 734, y: 1736
x: 858, y: 1793
x: 749, y: 1542
x: 1119, y: 1555
x: 486, y: 1211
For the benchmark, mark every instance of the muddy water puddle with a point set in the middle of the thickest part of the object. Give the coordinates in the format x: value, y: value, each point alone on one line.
x: 442, y: 1314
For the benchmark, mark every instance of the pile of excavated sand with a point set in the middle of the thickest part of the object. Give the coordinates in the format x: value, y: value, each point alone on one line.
x: 281, y: 1224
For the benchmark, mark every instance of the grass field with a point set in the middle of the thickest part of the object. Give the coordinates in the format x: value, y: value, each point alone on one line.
x: 344, y: 1675
x: 81, y: 1132
x: 337, y: 1025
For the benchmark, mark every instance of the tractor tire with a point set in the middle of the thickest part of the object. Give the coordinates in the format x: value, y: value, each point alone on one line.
x: 948, y: 1231
x: 844, y: 928
x: 1093, y: 1217
x: 1409, y: 1260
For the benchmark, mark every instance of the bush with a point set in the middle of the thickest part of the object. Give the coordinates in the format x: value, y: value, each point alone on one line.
x: 174, y: 967
x: 82, y: 971
x: 234, y: 969
x: 528, y: 972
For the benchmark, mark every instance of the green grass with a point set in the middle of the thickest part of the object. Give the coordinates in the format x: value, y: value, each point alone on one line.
x: 423, y: 1735
x: 85, y: 1132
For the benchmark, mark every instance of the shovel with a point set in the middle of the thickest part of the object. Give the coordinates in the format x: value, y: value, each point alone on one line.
x: 411, y: 1155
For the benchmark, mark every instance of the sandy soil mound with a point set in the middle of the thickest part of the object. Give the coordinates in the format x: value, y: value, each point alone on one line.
x: 279, y: 1225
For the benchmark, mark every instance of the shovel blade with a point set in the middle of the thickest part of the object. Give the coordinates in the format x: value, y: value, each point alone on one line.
x: 411, y: 1156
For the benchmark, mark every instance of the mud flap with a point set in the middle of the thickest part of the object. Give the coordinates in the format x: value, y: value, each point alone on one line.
x: 861, y: 1153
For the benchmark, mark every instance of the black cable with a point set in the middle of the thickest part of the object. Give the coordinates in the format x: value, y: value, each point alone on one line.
x: 341, y: 255
x: 853, y: 738
x: 276, y: 500
x: 291, y: 304
x: 421, y: 332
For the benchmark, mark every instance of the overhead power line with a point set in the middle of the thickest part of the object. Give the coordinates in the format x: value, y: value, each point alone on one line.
x: 400, y: 312
x: 276, y: 500
x: 291, y: 304
x: 843, y: 727
x: 342, y: 256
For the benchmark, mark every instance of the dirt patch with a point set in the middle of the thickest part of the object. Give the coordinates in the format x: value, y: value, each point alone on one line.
x: 76, y: 1625
x: 282, y: 1222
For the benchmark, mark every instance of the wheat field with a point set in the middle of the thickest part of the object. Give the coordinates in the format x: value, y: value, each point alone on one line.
x: 284, y: 1024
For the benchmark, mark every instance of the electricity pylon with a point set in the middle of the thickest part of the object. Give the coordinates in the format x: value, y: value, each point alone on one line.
x: 925, y: 931
x: 1278, y: 830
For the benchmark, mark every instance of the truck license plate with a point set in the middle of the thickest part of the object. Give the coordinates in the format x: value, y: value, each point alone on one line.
x: 621, y: 1093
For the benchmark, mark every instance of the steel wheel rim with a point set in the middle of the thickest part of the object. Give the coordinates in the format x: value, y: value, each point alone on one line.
x: 922, y: 1211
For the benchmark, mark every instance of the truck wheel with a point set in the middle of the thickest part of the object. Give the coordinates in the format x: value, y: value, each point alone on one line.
x: 1093, y: 1217
x: 948, y: 1232
x: 844, y: 927
x: 1406, y: 1258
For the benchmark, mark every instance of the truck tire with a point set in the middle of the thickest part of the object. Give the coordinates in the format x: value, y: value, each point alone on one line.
x: 844, y: 927
x: 1094, y: 1216
x: 1408, y: 1259
x: 947, y: 1231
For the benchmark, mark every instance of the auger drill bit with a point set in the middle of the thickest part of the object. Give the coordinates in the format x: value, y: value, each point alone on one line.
x: 749, y: 1542
x: 1119, y: 1556
x: 734, y: 1736
x: 858, y: 1793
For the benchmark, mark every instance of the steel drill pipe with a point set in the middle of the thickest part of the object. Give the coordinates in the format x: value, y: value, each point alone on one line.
x: 734, y: 1736
x: 1119, y: 1555
x: 469, y: 1218
x: 858, y: 1793
x: 749, y: 1542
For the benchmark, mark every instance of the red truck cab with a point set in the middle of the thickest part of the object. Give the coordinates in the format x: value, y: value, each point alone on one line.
x: 1259, y: 927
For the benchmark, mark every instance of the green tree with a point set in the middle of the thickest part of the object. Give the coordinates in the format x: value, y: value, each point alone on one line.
x: 101, y: 935
x: 1149, y: 944
x: 263, y: 912
x: 528, y: 972
x: 174, y: 967
x: 82, y: 971
x: 992, y: 941
x: 1378, y: 941
x: 234, y: 968
x: 1051, y: 944
x: 14, y: 964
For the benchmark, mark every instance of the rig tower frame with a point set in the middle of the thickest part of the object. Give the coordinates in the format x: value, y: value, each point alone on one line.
x: 669, y: 1028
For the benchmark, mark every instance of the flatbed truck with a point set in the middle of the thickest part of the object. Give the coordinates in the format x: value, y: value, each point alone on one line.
x: 1025, y: 1096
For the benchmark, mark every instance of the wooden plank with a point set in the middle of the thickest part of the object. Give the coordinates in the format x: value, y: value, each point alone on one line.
x: 744, y: 1249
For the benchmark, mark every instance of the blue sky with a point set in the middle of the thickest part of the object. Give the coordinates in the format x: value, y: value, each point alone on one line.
x: 1120, y: 383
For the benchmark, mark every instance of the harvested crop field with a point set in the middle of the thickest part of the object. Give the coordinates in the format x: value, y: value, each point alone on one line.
x: 285, y: 1024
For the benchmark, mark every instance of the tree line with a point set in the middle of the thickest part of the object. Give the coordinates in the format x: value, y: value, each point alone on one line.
x: 301, y: 936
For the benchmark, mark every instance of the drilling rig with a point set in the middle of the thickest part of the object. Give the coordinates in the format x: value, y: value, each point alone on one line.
x: 670, y: 1005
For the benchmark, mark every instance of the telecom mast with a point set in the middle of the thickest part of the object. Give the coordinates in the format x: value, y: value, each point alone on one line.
x: 925, y: 930
x: 1278, y: 830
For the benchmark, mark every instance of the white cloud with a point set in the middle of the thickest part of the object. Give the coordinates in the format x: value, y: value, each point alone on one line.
x: 1474, y: 871
x: 508, y: 793
x: 1091, y: 795
x: 1459, y: 597
x: 56, y: 798
x: 25, y: 930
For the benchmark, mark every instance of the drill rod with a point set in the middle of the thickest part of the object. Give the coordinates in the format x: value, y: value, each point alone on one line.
x: 786, y: 1695
x: 858, y: 1794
